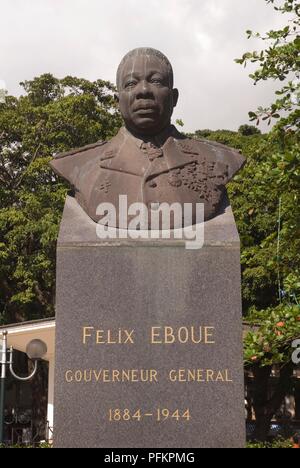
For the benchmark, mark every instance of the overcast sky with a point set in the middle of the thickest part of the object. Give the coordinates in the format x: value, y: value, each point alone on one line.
x: 87, y: 38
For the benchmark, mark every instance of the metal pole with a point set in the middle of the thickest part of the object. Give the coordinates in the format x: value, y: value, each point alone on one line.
x: 2, y: 384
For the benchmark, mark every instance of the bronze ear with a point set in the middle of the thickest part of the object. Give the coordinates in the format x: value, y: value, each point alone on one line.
x: 175, y: 96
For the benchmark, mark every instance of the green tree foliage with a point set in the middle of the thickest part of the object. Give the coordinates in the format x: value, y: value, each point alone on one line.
x: 180, y: 123
x: 248, y: 130
x: 277, y: 180
x: 202, y: 133
x: 271, y: 258
x: 277, y: 444
x: 52, y: 116
x: 280, y: 61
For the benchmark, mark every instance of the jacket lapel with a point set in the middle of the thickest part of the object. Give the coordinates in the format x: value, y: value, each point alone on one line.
x: 123, y: 155
x: 173, y: 158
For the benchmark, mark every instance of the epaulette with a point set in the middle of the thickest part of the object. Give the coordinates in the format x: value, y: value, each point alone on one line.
x: 188, y: 146
x: 80, y: 150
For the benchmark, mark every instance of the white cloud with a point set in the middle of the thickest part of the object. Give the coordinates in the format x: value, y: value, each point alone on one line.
x: 204, y: 41
x: 216, y: 10
x: 89, y: 38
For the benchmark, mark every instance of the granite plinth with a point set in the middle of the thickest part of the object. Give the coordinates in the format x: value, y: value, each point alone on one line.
x: 144, y: 293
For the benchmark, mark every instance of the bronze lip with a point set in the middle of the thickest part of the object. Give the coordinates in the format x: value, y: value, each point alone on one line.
x: 148, y: 111
x: 145, y: 106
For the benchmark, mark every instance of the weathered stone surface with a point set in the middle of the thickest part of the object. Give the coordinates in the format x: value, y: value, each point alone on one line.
x: 137, y: 285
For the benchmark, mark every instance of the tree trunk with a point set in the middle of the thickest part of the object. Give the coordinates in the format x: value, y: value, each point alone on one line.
x: 266, y: 404
x: 260, y: 397
x: 297, y: 403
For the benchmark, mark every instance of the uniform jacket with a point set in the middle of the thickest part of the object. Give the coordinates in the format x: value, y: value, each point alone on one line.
x: 170, y: 168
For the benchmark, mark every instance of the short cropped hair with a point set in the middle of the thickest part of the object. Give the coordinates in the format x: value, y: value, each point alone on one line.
x: 146, y: 51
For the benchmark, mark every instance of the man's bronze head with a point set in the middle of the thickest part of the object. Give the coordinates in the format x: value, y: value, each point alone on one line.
x: 145, y: 91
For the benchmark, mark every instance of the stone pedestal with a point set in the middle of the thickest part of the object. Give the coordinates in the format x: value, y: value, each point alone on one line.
x: 148, y: 339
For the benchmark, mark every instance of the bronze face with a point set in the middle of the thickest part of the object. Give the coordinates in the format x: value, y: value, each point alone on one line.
x: 146, y: 98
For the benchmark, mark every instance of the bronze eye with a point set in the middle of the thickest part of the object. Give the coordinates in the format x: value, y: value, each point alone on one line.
x: 130, y: 84
x: 156, y: 81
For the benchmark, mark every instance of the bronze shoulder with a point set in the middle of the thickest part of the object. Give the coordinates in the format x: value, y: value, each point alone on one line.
x: 79, y: 150
x: 216, y: 144
x: 72, y: 164
x: 197, y: 143
x: 215, y: 152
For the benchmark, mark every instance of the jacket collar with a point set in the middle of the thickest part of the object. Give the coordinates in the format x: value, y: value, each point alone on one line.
x: 124, y: 154
x: 158, y: 140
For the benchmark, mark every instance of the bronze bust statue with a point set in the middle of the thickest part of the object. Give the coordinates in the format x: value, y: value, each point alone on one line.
x: 148, y: 160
